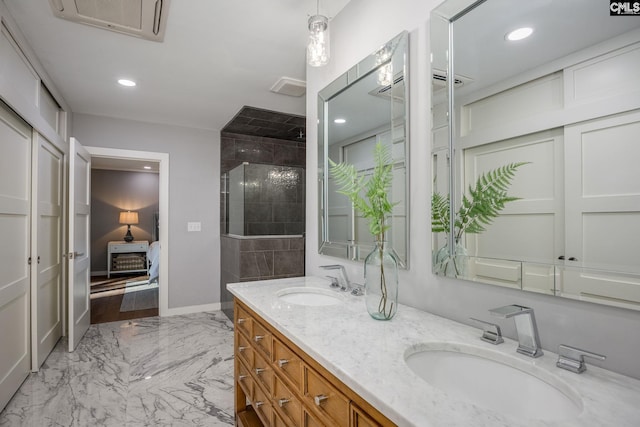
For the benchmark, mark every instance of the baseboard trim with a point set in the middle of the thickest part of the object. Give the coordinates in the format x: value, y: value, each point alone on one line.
x: 191, y: 309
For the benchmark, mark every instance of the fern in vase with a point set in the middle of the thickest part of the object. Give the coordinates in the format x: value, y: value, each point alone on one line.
x: 370, y: 197
x: 477, y: 210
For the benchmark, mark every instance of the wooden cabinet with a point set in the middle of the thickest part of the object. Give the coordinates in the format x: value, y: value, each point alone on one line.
x: 277, y: 384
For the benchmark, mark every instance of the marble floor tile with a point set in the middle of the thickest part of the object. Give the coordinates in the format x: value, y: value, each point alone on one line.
x: 170, y: 371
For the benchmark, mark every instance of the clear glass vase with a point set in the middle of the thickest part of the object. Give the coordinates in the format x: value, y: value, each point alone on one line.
x: 381, y: 282
x: 453, y: 266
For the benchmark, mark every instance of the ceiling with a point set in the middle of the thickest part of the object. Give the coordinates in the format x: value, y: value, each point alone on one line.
x: 216, y: 57
x: 128, y: 165
x: 561, y: 27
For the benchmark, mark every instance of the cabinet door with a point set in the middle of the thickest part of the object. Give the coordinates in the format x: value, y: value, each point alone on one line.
x: 15, y: 188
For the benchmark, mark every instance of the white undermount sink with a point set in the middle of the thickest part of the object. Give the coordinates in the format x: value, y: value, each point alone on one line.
x: 494, y: 380
x: 309, y: 296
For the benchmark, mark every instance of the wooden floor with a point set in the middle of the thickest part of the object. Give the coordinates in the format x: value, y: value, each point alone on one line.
x: 107, y: 308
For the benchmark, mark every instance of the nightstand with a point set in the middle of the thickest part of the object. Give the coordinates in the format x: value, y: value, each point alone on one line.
x: 123, y: 257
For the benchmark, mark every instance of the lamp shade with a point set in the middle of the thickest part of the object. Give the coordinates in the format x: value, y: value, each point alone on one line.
x: 128, y: 217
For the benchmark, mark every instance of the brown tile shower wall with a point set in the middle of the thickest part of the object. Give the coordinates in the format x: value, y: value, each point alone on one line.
x: 246, y: 259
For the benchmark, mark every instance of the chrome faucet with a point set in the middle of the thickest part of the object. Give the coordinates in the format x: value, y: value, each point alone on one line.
x: 572, y: 358
x: 528, y: 338
x: 345, y: 285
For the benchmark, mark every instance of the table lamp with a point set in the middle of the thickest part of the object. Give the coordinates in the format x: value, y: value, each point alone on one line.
x: 128, y: 218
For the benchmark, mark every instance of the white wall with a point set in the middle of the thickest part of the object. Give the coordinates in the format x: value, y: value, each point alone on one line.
x: 194, y: 195
x: 358, y: 30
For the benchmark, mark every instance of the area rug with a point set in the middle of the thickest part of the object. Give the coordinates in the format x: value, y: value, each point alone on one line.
x: 114, y: 283
x: 140, y: 295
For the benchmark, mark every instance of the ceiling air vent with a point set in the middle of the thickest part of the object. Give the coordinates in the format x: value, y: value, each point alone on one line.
x: 141, y: 18
x: 440, y: 79
x: 289, y: 86
x: 397, y: 94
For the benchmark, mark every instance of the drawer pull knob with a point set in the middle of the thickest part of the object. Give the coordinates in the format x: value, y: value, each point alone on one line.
x: 259, y: 404
x: 241, y: 321
x: 241, y: 377
x: 282, y: 402
x: 258, y: 338
x: 282, y: 362
x: 319, y: 399
x: 259, y: 371
x: 241, y: 349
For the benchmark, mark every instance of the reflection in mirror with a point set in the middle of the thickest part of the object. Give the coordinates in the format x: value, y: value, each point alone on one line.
x: 364, y: 106
x: 563, y: 101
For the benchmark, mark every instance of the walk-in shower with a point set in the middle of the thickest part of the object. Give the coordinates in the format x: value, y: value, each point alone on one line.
x: 265, y: 200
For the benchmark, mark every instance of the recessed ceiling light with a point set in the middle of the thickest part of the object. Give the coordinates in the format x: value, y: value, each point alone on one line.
x: 519, y: 34
x: 147, y: 167
x: 127, y: 82
x: 339, y: 121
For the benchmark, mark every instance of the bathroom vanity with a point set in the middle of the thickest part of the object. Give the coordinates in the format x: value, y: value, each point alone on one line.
x: 306, y: 355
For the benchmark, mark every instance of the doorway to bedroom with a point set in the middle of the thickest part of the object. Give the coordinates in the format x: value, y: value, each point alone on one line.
x: 126, y: 212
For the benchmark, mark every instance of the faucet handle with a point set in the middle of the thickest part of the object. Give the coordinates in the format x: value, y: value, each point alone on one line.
x: 358, y: 289
x: 491, y: 332
x: 572, y: 358
x: 334, y: 281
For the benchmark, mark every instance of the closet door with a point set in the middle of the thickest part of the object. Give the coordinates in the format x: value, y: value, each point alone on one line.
x: 46, y: 298
x: 603, y: 210
x: 15, y: 188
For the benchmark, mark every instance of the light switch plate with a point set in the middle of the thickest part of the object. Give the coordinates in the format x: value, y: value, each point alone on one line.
x: 194, y: 226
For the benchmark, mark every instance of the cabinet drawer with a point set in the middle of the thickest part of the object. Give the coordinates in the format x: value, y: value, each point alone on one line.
x: 263, y: 372
x: 245, y: 381
x: 360, y: 419
x: 287, y: 364
x: 262, y: 340
x: 244, y: 350
x: 243, y: 322
x: 262, y: 406
x: 309, y: 420
x: 279, y: 422
x: 129, y: 247
x: 325, y: 398
x: 286, y: 402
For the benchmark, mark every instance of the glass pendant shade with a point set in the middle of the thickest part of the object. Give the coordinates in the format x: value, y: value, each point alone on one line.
x: 318, y: 47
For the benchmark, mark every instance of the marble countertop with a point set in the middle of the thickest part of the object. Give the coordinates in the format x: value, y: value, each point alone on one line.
x: 368, y: 356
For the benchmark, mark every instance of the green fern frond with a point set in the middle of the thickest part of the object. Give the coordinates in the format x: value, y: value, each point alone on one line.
x: 375, y: 205
x: 480, y: 207
x: 439, y: 213
x: 486, y: 200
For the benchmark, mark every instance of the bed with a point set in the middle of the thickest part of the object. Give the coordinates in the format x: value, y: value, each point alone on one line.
x: 153, y: 257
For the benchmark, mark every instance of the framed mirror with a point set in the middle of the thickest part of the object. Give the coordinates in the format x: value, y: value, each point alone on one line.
x: 561, y: 104
x: 366, y: 105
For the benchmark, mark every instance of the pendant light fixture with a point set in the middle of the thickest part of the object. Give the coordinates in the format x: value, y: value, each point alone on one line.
x: 318, y: 47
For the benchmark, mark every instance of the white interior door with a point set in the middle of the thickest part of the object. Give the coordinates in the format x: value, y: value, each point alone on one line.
x: 15, y: 190
x: 529, y: 229
x: 79, y: 233
x: 46, y: 288
x: 603, y: 210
